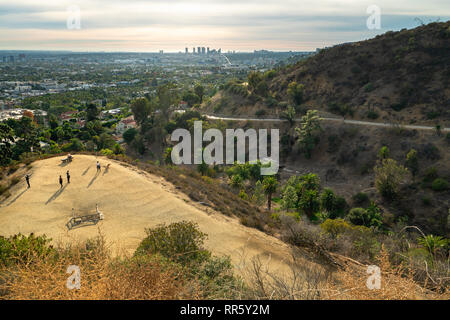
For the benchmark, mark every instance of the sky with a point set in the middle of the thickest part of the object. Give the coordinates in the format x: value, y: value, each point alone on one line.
x: 172, y: 25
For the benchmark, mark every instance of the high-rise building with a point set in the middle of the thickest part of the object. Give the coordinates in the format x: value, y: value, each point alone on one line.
x: 193, y: 50
x: 203, y: 50
x: 11, y: 58
x: 199, y: 50
x: 207, y: 50
x: 186, y: 50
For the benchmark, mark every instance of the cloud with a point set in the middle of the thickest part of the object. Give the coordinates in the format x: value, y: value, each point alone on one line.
x: 232, y: 24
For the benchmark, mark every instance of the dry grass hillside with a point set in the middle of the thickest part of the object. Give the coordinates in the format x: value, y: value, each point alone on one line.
x: 131, y: 200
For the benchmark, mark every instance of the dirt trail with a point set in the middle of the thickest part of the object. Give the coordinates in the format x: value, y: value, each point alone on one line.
x: 336, y: 119
x: 130, y: 200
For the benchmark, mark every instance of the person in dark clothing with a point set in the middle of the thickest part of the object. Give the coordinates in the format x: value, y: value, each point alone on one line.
x: 61, y: 181
x: 68, y: 176
x: 27, y: 177
x: 98, y: 166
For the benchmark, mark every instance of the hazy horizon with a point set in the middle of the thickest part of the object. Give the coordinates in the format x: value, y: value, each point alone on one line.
x: 243, y: 26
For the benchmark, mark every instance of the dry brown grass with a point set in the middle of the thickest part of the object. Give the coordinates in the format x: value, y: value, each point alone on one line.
x: 45, y: 278
x: 397, y: 283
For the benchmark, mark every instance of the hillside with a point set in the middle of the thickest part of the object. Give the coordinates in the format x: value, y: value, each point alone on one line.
x: 131, y: 200
x: 398, y: 76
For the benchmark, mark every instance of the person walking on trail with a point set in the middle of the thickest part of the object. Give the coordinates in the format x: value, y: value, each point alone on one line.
x: 27, y: 178
x: 98, y: 166
x: 61, y: 181
x: 68, y: 176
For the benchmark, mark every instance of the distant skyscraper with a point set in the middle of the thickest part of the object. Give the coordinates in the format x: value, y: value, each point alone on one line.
x: 203, y: 50
x: 219, y: 51
x: 199, y: 50
x: 186, y: 50
x: 11, y: 58
x: 207, y: 50
x: 193, y: 50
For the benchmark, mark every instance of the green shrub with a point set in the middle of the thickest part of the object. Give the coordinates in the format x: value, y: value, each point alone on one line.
x: 106, y: 152
x: 388, y: 177
x: 19, y: 249
x: 360, y: 198
x: 369, y: 217
x: 181, y: 242
x: 335, y: 227
x: 439, y: 184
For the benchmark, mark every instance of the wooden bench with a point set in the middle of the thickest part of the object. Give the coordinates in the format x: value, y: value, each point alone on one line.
x: 76, y: 221
x: 65, y: 160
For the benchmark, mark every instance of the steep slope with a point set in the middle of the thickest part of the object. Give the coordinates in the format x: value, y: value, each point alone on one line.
x: 398, y: 76
x: 131, y: 200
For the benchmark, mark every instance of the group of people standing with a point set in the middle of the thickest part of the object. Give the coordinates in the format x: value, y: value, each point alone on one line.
x: 61, y: 182
x: 61, y: 179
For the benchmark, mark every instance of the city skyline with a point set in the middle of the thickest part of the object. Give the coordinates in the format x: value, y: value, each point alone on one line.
x: 150, y: 26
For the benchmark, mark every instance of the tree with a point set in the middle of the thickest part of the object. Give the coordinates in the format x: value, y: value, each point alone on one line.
x: 432, y: 243
x: 412, y: 162
x: 236, y: 181
x: 117, y: 149
x: 258, y: 194
x: 76, y: 145
x: 370, y: 217
x: 199, y: 91
x: 92, y: 112
x: 129, y: 135
x: 6, y: 141
x: 289, y: 198
x: 141, y: 109
x: 105, y: 141
x: 166, y: 98
x: 327, y: 200
x: 270, y: 185
x: 289, y: 115
x: 309, y: 203
x: 295, y: 92
x: 388, y: 177
x: 254, y: 79
x: 191, y: 98
x: 262, y: 89
x: 310, y: 126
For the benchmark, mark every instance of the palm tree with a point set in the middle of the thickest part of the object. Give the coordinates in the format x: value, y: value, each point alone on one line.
x: 270, y: 185
x: 289, y: 115
x: 432, y: 243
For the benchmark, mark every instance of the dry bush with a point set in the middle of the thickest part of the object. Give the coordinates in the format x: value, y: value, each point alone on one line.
x: 45, y: 277
x: 304, y: 280
x: 397, y: 283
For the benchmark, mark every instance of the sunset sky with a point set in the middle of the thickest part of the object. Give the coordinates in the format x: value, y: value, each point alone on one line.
x: 241, y: 25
